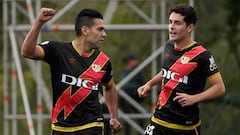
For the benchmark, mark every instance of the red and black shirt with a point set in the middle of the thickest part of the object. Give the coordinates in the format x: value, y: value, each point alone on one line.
x: 184, y: 71
x: 76, y: 81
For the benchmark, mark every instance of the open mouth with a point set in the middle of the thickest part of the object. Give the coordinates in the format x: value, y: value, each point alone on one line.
x: 172, y: 34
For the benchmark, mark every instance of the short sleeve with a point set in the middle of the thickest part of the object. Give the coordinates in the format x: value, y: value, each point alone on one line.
x: 108, y: 75
x: 49, y: 53
x: 209, y: 66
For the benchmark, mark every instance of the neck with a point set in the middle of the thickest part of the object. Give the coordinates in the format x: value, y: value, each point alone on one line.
x: 183, y: 44
x: 81, y: 48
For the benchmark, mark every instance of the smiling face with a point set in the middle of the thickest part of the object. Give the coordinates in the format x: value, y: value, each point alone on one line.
x: 95, y: 34
x: 178, y: 29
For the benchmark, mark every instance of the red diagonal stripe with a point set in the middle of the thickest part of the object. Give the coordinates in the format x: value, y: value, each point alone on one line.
x: 68, y: 102
x: 91, y: 74
x: 182, y: 70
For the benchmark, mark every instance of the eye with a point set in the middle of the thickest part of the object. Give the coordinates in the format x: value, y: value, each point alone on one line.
x: 100, y: 28
x: 178, y: 23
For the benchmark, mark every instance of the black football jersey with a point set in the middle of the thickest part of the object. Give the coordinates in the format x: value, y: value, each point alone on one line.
x: 184, y: 71
x: 76, y: 81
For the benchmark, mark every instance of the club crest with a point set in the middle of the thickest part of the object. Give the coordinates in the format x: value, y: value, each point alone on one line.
x: 184, y: 60
x: 96, y: 67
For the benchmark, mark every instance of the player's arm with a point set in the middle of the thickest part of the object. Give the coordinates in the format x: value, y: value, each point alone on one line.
x: 30, y: 49
x: 143, y: 90
x: 111, y: 100
x: 216, y: 89
x: 157, y: 79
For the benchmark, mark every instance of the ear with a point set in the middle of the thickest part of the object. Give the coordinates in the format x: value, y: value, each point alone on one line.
x: 85, y: 30
x: 190, y: 27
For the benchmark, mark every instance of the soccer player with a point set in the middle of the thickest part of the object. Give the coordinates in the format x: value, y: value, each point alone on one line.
x: 185, y: 69
x: 78, y: 71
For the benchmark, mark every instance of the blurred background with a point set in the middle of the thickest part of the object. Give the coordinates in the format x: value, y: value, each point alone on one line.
x: 136, y: 30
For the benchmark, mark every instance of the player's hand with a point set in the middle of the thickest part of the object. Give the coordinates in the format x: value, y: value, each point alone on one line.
x: 45, y: 14
x: 184, y: 99
x: 115, y: 125
x: 143, y: 90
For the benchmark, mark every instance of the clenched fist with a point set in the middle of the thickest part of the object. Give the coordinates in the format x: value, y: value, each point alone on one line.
x: 45, y: 14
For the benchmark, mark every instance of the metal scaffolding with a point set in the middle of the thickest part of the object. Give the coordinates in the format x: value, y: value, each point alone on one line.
x: 12, y: 66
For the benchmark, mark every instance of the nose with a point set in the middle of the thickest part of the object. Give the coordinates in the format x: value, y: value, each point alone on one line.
x: 104, y: 34
x: 171, y: 26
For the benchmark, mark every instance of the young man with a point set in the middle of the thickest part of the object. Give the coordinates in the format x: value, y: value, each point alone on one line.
x: 78, y: 71
x: 185, y: 69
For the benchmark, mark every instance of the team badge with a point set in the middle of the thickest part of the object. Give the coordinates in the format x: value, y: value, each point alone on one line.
x: 96, y: 67
x: 184, y: 59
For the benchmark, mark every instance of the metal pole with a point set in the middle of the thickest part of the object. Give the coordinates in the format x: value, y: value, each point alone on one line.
x: 30, y: 11
x: 21, y: 81
x: 63, y: 11
x: 44, y: 90
x: 14, y: 77
x: 154, y: 62
x: 39, y: 100
x: 5, y: 69
x: 110, y: 10
x: 14, y: 99
x: 110, y: 27
x: 191, y: 3
x: 39, y: 86
x: 139, y: 12
x: 163, y: 20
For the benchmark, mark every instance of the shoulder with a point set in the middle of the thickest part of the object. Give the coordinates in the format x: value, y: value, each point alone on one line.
x: 54, y: 43
x: 169, y: 46
x: 205, y: 56
x: 101, y: 54
x: 169, y: 43
x: 202, y: 50
x: 56, y: 46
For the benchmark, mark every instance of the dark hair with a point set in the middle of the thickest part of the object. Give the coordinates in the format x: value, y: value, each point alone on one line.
x: 129, y: 57
x: 85, y: 18
x: 187, y: 11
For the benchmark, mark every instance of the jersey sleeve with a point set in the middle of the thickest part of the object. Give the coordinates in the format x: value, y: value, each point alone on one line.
x: 49, y: 53
x: 209, y: 66
x: 108, y: 75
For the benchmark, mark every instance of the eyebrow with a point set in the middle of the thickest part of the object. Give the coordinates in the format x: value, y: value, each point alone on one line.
x: 101, y: 27
x: 175, y: 20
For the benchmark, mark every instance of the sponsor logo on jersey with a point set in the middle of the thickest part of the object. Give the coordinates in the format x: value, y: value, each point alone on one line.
x: 174, y: 76
x: 71, y: 80
x: 212, y: 65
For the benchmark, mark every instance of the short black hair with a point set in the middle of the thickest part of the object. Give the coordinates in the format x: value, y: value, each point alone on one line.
x: 129, y: 57
x: 187, y: 11
x: 85, y: 18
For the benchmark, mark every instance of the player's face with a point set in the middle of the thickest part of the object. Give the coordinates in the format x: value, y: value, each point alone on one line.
x: 178, y: 29
x: 96, y: 34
